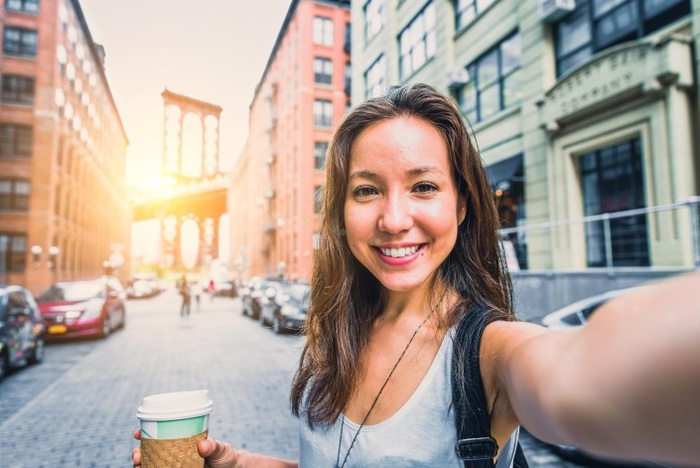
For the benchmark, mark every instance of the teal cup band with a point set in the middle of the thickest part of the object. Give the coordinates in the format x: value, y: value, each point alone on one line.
x: 174, y: 429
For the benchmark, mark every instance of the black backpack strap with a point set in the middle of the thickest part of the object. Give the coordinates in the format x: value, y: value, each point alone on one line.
x: 474, y: 442
x: 475, y: 446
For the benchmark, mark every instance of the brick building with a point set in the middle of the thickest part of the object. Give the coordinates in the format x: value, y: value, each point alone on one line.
x: 279, y: 175
x: 63, y: 210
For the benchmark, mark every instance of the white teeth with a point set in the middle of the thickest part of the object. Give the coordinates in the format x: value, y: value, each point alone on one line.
x: 398, y: 253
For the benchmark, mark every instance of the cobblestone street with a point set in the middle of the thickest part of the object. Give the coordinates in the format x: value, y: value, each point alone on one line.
x: 78, y: 408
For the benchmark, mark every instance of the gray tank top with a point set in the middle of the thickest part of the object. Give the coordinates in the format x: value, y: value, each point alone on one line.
x: 420, y: 434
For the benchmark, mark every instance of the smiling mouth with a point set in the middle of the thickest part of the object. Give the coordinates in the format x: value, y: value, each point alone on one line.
x: 400, y: 252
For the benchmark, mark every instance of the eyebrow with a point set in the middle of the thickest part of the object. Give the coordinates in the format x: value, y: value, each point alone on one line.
x: 416, y: 171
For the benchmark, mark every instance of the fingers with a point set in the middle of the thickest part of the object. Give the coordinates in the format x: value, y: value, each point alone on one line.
x: 136, y: 456
x: 137, y: 434
x: 218, y: 454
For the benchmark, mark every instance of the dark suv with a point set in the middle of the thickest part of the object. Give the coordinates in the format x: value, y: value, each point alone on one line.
x: 21, y: 330
x: 80, y: 308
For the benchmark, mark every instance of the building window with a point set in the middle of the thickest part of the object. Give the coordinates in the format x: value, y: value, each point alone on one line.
x: 14, y: 195
x: 612, y: 180
x: 375, y: 78
x: 320, y: 148
x: 13, y: 251
x: 26, y: 6
x: 15, y: 141
x: 374, y: 18
x: 318, y: 199
x: 348, y: 79
x: 323, y: 71
x: 467, y: 10
x: 494, y: 81
x: 417, y: 42
x: 19, y: 42
x: 596, y: 25
x: 323, y: 31
x: 17, y: 89
x: 323, y: 113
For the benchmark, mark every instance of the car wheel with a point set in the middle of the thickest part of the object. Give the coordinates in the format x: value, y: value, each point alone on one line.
x: 276, y: 326
x: 106, y: 328
x: 4, y: 365
x: 38, y: 354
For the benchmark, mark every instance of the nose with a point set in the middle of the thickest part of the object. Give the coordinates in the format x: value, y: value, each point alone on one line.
x: 396, y: 215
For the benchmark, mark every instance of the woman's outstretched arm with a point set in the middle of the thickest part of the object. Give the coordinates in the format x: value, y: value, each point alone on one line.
x: 625, y: 385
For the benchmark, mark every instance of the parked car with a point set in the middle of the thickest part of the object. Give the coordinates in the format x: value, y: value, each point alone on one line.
x: 225, y: 289
x: 22, y: 333
x: 251, y: 295
x: 573, y: 316
x: 142, y: 289
x: 83, y: 308
x: 577, y: 314
x: 284, y: 306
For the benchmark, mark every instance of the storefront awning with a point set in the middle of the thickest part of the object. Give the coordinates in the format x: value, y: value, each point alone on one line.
x: 502, y: 173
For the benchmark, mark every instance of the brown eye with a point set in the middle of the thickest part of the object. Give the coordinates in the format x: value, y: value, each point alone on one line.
x: 364, y: 191
x: 425, y: 187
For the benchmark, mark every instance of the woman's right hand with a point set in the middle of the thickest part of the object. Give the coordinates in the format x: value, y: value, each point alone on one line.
x: 217, y: 454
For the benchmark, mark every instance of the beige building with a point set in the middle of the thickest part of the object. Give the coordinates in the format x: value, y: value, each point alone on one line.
x: 580, y: 108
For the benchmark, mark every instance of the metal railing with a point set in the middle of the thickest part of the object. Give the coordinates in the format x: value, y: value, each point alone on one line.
x: 632, y: 238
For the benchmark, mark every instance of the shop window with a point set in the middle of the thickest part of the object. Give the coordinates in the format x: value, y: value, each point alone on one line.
x: 612, y: 180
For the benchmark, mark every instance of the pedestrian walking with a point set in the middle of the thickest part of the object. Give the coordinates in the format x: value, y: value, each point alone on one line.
x: 186, y: 293
x: 409, y: 280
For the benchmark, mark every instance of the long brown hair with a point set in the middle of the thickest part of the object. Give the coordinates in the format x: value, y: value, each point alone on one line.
x: 346, y: 298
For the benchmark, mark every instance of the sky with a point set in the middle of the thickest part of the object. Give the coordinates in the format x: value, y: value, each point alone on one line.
x: 211, y: 50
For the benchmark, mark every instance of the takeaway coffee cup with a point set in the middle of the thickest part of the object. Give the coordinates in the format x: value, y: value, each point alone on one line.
x: 171, y: 426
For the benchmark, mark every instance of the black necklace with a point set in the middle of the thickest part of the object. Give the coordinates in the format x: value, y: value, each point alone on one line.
x: 342, y: 422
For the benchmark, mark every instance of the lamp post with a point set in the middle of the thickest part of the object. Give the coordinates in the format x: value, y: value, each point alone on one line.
x: 53, y: 253
x: 4, y: 242
x: 36, y: 254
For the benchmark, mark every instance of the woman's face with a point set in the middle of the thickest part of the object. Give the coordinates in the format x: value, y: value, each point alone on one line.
x: 402, y: 209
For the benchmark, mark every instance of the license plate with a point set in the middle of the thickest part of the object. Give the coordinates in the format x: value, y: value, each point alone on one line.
x: 56, y: 329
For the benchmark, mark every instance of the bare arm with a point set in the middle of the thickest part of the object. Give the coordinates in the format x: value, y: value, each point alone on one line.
x: 625, y: 385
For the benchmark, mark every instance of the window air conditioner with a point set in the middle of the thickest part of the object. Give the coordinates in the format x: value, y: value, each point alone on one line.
x: 457, y: 78
x: 554, y: 10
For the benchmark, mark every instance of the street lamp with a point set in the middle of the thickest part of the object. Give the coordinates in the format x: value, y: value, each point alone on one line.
x: 53, y: 253
x: 36, y: 253
x: 107, y: 268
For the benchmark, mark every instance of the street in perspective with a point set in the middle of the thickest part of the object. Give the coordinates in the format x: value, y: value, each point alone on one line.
x: 78, y: 407
x: 170, y: 185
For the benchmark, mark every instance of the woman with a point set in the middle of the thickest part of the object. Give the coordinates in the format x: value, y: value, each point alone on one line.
x: 409, y: 247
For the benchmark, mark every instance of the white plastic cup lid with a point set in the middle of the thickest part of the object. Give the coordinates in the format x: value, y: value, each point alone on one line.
x: 175, y: 405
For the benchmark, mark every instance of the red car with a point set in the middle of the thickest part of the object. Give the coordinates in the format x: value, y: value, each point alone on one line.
x: 83, y: 308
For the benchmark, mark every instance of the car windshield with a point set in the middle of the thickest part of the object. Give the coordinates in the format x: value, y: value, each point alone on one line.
x: 73, y: 291
x: 299, y: 292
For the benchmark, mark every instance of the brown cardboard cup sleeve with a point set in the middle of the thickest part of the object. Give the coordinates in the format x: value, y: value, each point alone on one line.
x: 168, y: 453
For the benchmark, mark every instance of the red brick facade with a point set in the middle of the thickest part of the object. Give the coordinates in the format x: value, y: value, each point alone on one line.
x: 75, y: 166
x: 275, y: 178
